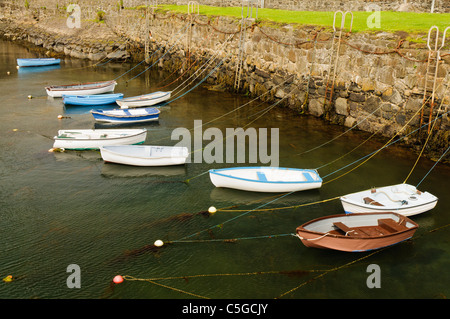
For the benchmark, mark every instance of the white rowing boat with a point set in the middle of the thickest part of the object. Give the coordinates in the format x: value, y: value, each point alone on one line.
x: 94, y: 139
x: 404, y: 199
x: 144, y: 100
x: 81, y: 89
x: 266, y: 179
x: 144, y: 155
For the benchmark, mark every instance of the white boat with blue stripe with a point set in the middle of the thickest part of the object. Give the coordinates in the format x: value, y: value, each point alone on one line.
x: 266, y: 179
x: 127, y: 116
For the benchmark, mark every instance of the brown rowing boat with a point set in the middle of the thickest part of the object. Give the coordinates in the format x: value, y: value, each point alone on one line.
x: 356, y: 232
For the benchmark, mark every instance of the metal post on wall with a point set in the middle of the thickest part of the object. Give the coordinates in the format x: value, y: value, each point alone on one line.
x: 243, y: 34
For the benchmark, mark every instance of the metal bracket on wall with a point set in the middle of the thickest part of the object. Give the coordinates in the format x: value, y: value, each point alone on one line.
x: 251, y: 4
x: 334, y: 56
x: 434, y: 57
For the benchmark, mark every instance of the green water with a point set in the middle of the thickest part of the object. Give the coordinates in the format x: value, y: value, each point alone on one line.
x: 68, y: 208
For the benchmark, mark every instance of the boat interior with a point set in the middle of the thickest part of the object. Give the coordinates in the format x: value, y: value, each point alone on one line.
x: 384, y: 227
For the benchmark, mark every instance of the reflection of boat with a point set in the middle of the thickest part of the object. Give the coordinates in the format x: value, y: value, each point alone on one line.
x: 75, y: 109
x: 96, y: 99
x: 266, y: 179
x: 37, y: 62
x: 81, y: 89
x: 118, y: 170
x: 144, y: 155
x: 144, y: 100
x: 23, y: 71
x: 402, y: 198
x: 228, y: 195
x: 356, y: 232
x: 127, y: 116
x: 93, y: 139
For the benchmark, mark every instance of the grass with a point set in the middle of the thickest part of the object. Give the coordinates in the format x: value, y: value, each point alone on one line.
x: 390, y: 21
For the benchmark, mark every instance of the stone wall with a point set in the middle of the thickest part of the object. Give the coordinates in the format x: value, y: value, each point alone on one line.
x: 379, y: 79
x: 298, y: 5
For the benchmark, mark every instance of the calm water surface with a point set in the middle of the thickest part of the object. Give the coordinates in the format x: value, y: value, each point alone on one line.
x: 68, y: 208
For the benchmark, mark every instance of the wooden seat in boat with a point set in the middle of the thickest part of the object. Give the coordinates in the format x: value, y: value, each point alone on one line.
x: 390, y: 225
x: 349, y: 231
x: 370, y: 201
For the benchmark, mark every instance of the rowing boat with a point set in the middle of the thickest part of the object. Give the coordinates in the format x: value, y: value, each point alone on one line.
x: 91, y: 100
x: 126, y: 116
x: 356, y: 232
x: 144, y: 100
x: 37, y: 62
x: 144, y: 155
x: 81, y: 89
x: 266, y: 179
x: 404, y: 199
x: 93, y: 139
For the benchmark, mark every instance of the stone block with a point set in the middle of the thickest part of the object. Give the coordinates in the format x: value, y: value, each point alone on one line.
x: 341, y: 106
x: 316, y: 107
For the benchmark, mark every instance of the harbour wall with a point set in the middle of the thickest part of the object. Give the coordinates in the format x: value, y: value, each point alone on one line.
x: 379, y: 78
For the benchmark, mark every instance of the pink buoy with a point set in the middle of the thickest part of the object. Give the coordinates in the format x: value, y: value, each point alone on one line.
x: 118, y: 279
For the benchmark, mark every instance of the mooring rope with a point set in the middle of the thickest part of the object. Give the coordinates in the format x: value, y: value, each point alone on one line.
x: 442, y: 156
x: 428, y: 137
x: 167, y: 51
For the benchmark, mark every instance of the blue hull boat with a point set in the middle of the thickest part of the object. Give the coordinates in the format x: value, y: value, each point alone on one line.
x: 38, y: 62
x: 121, y: 116
x: 95, y: 99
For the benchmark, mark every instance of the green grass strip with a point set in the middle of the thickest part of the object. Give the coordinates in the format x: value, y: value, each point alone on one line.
x: 391, y: 21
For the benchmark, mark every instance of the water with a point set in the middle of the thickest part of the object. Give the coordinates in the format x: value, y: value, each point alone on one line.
x: 59, y: 209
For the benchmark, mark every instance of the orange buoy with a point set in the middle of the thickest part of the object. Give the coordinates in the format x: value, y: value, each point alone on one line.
x: 118, y: 279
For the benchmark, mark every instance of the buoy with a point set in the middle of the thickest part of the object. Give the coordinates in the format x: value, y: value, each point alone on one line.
x: 159, y: 243
x: 56, y: 149
x: 63, y: 117
x: 15, y: 130
x: 8, y: 73
x: 30, y: 97
x: 17, y: 67
x: 118, y: 279
x: 8, y: 278
x: 212, y: 210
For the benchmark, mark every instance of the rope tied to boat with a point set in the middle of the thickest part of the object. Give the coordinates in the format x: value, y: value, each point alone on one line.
x: 313, y: 239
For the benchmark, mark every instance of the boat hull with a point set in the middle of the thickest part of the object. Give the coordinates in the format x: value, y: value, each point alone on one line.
x: 91, y: 100
x: 311, y: 237
x: 94, y: 139
x: 260, y: 183
x: 125, y: 116
x: 144, y: 100
x: 81, y: 89
x: 144, y: 155
x: 37, y: 62
x: 402, y: 198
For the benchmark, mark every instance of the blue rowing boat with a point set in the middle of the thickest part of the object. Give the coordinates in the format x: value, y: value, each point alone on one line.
x: 38, y: 62
x: 137, y: 115
x: 94, y: 99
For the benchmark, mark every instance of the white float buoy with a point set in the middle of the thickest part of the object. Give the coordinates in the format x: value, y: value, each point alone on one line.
x: 30, y: 97
x: 212, y: 210
x: 8, y: 73
x: 159, y: 243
